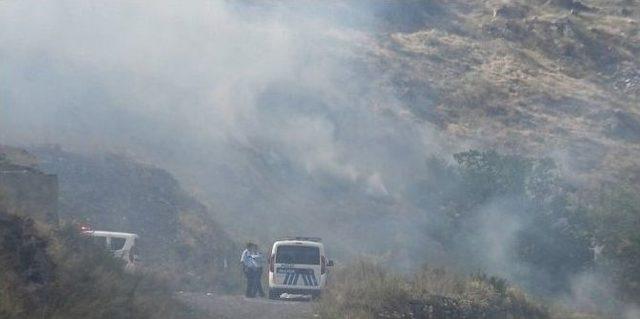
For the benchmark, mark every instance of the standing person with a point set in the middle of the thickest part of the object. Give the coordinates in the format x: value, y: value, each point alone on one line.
x: 259, y: 261
x: 247, y: 262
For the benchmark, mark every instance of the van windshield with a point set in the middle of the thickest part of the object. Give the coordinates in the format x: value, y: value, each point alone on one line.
x: 304, y: 255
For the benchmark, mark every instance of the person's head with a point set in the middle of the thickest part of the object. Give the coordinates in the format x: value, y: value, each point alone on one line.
x: 249, y: 245
x: 254, y: 247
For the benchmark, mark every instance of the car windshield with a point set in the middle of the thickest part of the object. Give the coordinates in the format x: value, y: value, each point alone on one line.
x: 298, y: 255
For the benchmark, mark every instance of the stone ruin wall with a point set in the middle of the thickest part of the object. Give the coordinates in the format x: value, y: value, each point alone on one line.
x: 28, y: 192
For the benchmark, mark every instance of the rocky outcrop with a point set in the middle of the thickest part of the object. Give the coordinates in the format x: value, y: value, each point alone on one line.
x: 624, y: 125
x: 441, y: 307
x: 25, y: 190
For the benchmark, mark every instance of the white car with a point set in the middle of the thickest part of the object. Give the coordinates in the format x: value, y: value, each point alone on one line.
x: 121, y: 245
x: 298, y: 266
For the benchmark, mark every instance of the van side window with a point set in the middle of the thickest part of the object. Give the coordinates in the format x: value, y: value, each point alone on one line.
x: 100, y: 241
x: 117, y: 243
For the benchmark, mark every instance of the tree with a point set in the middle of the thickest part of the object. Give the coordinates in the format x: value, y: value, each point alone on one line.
x: 552, y: 241
x: 616, y: 220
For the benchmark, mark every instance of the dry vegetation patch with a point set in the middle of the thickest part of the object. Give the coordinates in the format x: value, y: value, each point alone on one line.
x: 527, y: 76
x: 368, y: 290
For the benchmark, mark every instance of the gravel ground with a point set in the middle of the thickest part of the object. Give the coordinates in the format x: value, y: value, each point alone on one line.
x: 233, y: 306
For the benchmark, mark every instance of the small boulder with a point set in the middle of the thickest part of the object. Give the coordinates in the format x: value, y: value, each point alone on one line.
x: 510, y: 12
x: 573, y: 5
x: 625, y: 126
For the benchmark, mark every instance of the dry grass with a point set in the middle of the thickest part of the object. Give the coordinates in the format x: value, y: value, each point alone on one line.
x: 530, y: 77
x: 367, y: 290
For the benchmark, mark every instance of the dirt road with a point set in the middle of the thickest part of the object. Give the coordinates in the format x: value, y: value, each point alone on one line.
x: 239, y: 307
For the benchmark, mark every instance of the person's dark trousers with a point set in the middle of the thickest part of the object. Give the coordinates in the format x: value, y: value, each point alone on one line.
x: 258, y: 282
x: 251, y: 286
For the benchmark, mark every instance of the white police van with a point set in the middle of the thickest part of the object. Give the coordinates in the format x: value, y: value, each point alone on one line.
x: 298, y: 266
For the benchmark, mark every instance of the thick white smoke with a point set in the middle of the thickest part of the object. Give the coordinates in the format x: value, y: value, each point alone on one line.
x: 266, y: 111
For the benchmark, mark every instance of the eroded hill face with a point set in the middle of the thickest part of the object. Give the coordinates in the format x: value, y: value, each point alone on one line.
x: 178, y: 235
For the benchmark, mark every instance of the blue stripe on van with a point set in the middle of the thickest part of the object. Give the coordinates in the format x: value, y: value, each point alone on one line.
x: 293, y: 276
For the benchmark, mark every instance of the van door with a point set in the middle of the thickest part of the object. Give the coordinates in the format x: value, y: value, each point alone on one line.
x: 297, y: 266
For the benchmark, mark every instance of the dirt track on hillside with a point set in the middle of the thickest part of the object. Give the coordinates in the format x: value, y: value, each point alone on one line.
x: 238, y: 307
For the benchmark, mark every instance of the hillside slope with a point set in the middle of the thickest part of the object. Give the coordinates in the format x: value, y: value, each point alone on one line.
x: 545, y: 77
x: 538, y: 78
x: 177, y: 234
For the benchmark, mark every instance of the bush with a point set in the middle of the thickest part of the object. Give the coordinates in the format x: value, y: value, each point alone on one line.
x: 483, y: 191
x: 616, y: 220
x: 363, y: 290
x: 61, y: 274
x: 560, y: 232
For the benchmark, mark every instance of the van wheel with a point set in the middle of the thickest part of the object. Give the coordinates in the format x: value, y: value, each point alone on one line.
x: 274, y: 295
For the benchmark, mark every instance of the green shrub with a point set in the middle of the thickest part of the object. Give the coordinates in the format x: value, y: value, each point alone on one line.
x: 616, y: 220
x: 552, y: 240
x: 558, y: 225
